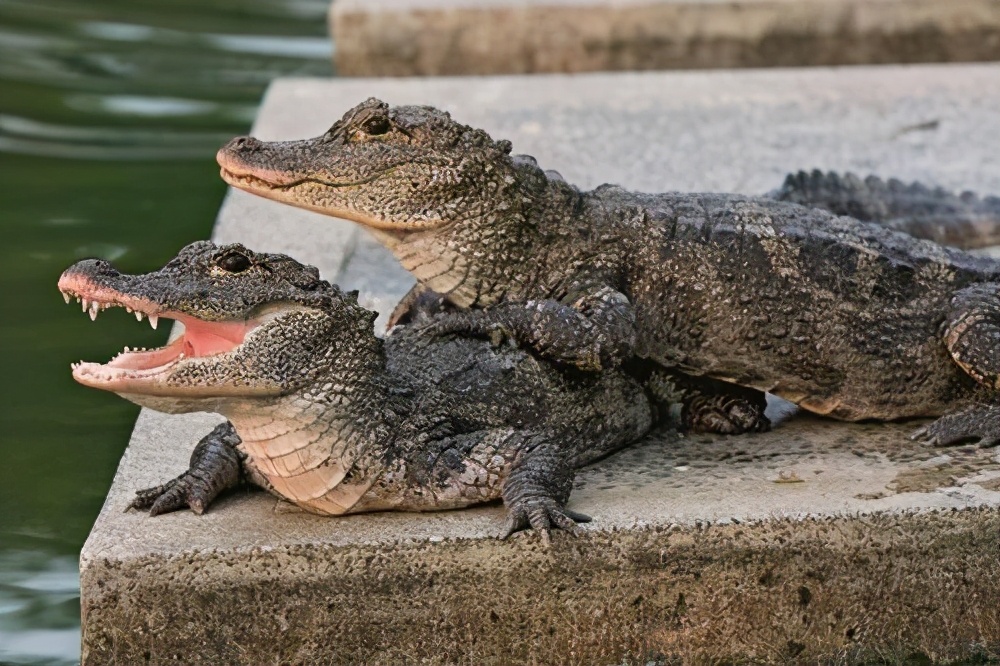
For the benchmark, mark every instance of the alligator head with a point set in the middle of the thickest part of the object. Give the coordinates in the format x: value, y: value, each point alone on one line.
x: 255, y: 325
x: 404, y: 168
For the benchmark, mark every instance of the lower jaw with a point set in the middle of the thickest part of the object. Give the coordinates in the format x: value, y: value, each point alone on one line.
x: 169, y: 404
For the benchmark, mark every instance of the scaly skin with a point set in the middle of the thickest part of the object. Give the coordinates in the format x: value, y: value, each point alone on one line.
x: 326, y: 415
x: 215, y: 466
x: 840, y: 316
x: 964, y: 220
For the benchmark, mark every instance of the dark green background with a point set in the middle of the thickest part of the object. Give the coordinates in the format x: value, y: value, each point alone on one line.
x: 110, y: 115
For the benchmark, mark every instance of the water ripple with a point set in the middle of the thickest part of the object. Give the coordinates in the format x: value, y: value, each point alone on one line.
x: 52, y: 647
x: 110, y: 116
x: 23, y: 136
x: 39, y: 603
x: 192, y: 73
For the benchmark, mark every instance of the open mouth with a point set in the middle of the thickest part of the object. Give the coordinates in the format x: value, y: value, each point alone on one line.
x: 133, y: 367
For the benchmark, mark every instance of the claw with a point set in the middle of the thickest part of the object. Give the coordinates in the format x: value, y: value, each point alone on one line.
x: 170, y: 496
x: 516, y: 521
x: 577, y: 516
x: 542, y: 516
x: 539, y: 520
x: 564, y: 522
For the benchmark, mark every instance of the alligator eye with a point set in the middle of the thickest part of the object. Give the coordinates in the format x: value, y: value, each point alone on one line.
x: 375, y: 125
x: 234, y: 262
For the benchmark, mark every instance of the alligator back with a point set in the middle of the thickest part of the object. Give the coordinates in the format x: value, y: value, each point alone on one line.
x: 840, y: 316
x: 485, y: 386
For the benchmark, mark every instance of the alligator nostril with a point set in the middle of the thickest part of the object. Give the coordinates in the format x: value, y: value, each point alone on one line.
x: 244, y: 143
x: 103, y: 267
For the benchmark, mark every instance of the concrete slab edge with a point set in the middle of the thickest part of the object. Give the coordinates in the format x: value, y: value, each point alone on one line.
x: 882, y: 587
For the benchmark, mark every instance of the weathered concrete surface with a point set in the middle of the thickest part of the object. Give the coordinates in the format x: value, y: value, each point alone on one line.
x: 818, y: 541
x: 434, y: 37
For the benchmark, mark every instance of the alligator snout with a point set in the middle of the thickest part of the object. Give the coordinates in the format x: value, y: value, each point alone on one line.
x: 92, y: 268
x: 250, y: 163
x: 244, y: 144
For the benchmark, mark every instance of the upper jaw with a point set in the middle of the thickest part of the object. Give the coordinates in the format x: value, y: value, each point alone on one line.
x: 251, y: 164
x: 298, y: 194
x: 96, y: 297
x: 256, y: 180
x: 233, y: 163
x: 148, y: 371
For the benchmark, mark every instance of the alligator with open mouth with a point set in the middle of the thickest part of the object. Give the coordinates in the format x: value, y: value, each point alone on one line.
x: 336, y: 420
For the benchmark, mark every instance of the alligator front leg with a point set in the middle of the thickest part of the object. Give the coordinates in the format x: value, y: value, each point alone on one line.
x: 215, y: 465
x: 971, y: 331
x: 538, y: 487
x: 591, y: 332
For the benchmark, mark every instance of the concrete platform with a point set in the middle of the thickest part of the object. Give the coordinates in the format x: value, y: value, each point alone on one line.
x: 435, y: 37
x: 819, y: 541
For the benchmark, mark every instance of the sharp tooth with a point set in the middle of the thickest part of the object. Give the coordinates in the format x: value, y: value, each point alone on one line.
x: 86, y: 304
x: 138, y: 316
x: 126, y: 349
x: 95, y: 307
x: 67, y: 297
x: 153, y: 321
x: 128, y: 309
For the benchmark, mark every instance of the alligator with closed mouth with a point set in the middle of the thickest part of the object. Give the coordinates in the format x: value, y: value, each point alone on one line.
x: 848, y: 318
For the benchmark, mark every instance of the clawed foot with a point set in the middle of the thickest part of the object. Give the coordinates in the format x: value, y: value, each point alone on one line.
x: 541, y: 514
x: 215, y: 465
x: 976, y: 424
x: 184, y: 491
x: 727, y: 416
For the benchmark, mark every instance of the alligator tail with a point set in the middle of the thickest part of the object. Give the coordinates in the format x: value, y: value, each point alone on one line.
x: 960, y: 220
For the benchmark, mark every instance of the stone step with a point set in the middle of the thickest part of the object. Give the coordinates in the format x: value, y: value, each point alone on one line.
x: 819, y: 541
x: 446, y: 37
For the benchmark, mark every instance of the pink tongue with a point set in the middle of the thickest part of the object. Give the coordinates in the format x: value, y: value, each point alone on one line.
x: 206, y: 344
x: 204, y: 339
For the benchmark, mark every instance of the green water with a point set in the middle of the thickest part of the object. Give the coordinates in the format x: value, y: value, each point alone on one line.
x: 110, y: 115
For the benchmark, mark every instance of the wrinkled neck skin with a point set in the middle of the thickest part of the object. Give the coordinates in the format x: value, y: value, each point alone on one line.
x: 320, y: 447
x: 495, y: 254
x: 316, y: 450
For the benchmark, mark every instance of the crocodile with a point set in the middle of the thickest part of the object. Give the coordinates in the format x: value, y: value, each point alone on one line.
x: 326, y: 415
x: 846, y: 318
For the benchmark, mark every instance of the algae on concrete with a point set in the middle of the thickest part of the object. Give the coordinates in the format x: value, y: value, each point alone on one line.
x: 819, y: 541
